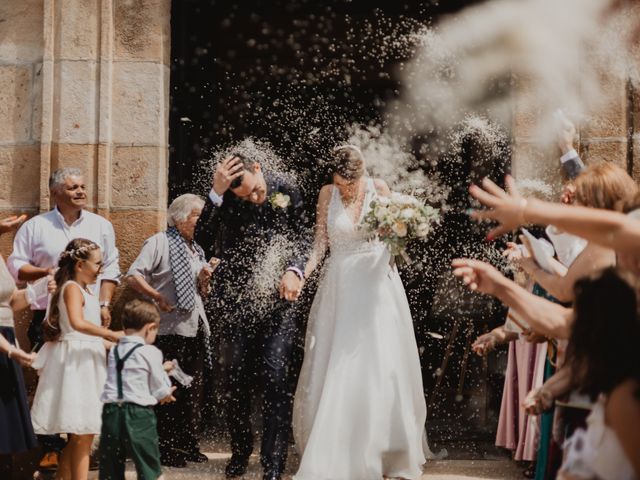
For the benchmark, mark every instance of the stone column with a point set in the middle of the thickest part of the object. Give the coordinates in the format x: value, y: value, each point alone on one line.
x: 105, y: 108
x: 85, y: 83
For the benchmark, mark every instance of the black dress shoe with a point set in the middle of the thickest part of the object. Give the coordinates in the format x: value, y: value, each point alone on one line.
x: 236, y: 467
x: 272, y: 476
x: 173, y: 459
x: 196, y: 456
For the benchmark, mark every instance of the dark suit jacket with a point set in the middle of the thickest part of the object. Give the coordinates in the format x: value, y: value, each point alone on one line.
x: 241, y: 233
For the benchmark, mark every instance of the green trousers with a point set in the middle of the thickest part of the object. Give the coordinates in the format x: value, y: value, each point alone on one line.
x: 129, y: 429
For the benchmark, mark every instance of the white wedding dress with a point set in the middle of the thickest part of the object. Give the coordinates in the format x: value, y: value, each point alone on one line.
x: 359, y: 410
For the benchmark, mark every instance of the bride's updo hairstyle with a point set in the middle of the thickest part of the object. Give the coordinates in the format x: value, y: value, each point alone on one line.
x: 348, y: 162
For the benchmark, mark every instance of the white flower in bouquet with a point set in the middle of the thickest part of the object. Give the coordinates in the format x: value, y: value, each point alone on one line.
x: 407, y: 213
x: 400, y: 229
x: 381, y: 212
x: 422, y: 230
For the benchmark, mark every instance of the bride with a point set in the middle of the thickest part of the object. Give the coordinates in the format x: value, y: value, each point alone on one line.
x: 359, y: 410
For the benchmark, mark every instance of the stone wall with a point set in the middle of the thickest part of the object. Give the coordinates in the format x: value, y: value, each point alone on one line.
x: 609, y: 133
x: 86, y: 83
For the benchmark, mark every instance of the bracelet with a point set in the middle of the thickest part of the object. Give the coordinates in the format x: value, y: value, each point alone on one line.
x: 521, y: 210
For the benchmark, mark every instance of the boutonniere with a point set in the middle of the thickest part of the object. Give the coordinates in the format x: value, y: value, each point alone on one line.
x: 279, y: 200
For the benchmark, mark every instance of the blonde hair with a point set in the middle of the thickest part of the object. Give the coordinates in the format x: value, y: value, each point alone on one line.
x: 604, y: 185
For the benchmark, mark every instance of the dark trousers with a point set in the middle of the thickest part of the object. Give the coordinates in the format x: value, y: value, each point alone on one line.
x: 263, y: 356
x: 179, y: 422
x: 49, y: 443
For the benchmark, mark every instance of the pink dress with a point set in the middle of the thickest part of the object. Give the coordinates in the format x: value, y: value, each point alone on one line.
x: 518, y: 431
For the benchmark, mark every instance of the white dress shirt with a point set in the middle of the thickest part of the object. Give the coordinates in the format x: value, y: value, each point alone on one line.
x: 144, y: 380
x: 41, y: 240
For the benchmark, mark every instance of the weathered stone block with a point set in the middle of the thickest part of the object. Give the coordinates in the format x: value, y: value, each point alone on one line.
x: 78, y: 29
x: 36, y: 104
x: 139, y: 92
x: 139, y: 176
x: 636, y: 157
x: 538, y: 165
x: 21, y: 40
x: 594, y: 151
x: 75, y: 110
x: 132, y: 228
x: 20, y: 173
x: 609, y: 117
x: 142, y: 30
x: 15, y: 103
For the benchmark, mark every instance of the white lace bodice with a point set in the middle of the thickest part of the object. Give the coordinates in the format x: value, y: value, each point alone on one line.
x: 345, y: 236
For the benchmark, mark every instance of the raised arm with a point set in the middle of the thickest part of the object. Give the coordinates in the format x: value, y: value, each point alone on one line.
x: 544, y: 317
x: 321, y: 238
x: 591, y: 259
x: 510, y: 210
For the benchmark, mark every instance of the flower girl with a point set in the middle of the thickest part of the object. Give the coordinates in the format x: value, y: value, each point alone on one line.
x: 71, y: 364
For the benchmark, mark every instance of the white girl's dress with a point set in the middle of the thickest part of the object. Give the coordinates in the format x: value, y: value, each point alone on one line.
x: 72, y: 374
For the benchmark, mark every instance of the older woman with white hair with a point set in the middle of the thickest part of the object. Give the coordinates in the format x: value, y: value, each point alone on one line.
x: 172, y: 270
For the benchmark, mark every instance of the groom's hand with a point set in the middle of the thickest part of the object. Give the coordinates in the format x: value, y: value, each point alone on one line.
x: 290, y: 286
x: 226, y: 172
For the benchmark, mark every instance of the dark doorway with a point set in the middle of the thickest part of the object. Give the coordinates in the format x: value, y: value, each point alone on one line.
x: 294, y: 73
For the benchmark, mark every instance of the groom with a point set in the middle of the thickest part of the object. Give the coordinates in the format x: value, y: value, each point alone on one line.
x: 246, y: 211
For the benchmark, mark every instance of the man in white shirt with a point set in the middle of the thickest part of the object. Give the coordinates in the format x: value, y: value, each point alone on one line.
x: 37, y: 247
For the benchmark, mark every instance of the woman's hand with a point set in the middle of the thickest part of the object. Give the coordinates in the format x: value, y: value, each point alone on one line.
x: 163, y: 303
x: 537, y: 401
x: 479, y: 276
x: 484, y: 344
x: 204, y: 277
x: 533, y: 337
x: 11, y: 223
x: 505, y: 207
x: 114, y: 336
x: 24, y: 358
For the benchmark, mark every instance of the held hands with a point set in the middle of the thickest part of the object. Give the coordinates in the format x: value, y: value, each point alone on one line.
x: 169, y: 398
x: 291, y: 286
x: 114, y: 336
x: 479, y: 276
x: 105, y: 316
x: 226, y: 172
x: 11, y: 223
x: 24, y: 358
x: 505, y: 207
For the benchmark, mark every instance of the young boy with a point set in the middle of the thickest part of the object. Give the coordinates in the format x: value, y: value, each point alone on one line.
x: 136, y: 380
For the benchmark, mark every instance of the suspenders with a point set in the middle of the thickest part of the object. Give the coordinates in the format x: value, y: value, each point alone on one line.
x: 120, y: 366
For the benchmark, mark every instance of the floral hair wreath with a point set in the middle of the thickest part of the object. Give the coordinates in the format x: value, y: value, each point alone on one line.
x: 78, y: 253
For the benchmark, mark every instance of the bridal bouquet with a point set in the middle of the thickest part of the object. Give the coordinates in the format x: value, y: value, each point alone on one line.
x: 397, y: 219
